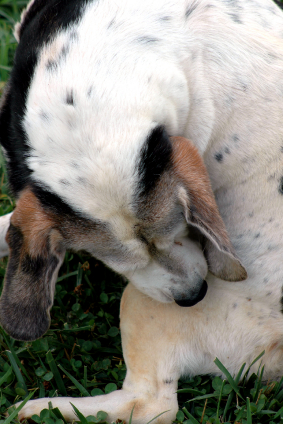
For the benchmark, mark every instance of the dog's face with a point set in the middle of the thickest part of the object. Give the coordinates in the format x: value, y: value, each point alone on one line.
x: 148, y: 242
x: 114, y: 185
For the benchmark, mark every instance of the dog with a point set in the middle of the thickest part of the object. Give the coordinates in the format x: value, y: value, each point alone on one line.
x: 95, y: 125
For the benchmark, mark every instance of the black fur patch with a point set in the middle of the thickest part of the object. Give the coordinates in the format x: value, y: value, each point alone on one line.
x: 53, y: 202
x: 15, y: 240
x: 70, y: 98
x: 155, y: 159
x: 190, y: 9
x: 43, y: 20
x: 218, y: 157
x: 32, y: 266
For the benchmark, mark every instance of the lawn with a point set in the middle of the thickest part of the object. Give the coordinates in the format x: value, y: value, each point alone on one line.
x: 81, y: 354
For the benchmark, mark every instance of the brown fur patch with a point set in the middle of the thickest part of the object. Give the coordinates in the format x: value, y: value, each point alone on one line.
x: 191, y: 171
x: 34, y: 223
x: 202, y: 211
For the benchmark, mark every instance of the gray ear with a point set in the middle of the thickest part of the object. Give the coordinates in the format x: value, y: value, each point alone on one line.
x: 200, y: 208
x: 36, y: 254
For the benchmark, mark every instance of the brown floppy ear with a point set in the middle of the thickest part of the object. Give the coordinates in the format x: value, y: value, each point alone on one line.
x: 201, y: 211
x: 36, y: 254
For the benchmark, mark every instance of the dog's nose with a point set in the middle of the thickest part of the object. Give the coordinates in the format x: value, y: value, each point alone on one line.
x: 191, y: 301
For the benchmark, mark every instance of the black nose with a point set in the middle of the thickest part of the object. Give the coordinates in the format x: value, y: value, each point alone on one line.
x: 195, y: 300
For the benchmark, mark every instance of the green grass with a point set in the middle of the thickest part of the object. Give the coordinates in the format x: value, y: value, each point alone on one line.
x: 81, y: 354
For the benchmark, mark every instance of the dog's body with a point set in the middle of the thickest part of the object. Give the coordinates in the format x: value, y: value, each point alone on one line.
x: 103, y: 79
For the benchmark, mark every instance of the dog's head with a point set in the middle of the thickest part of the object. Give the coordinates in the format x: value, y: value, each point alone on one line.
x: 123, y: 190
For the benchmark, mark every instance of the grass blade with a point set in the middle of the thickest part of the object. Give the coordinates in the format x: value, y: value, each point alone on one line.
x: 17, y: 410
x: 194, y: 421
x: 228, y: 376
x: 16, y: 358
x: 58, y: 415
x: 78, y: 385
x: 17, y: 371
x: 219, y: 400
x: 254, y: 361
x: 63, y: 277
x: 249, y: 414
x: 131, y: 416
x: 57, y: 376
x: 159, y: 415
x: 6, y: 376
x: 193, y: 391
x: 212, y: 395
x: 231, y: 395
x: 81, y: 417
x: 85, y: 376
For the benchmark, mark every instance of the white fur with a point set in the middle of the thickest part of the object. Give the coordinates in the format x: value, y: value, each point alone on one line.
x: 4, y: 225
x: 218, y: 83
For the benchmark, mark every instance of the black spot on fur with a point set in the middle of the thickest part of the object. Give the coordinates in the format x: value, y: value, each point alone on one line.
x: 70, y: 98
x: 74, y: 36
x: 235, y: 138
x: 227, y: 150
x: 111, y: 23
x: 89, y: 91
x: 257, y: 235
x: 65, y: 182
x: 190, y: 9
x: 146, y: 39
x: 280, y: 188
x: 271, y: 177
x: 235, y: 18
x: 165, y: 18
x: 74, y: 165
x: 64, y: 52
x: 168, y: 381
x: 218, y: 157
x: 44, y: 116
x: 154, y: 160
x: 82, y: 181
x: 43, y: 20
x: 51, y: 65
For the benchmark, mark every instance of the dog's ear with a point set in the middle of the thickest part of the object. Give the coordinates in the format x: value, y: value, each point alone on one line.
x: 36, y: 254
x: 201, y: 211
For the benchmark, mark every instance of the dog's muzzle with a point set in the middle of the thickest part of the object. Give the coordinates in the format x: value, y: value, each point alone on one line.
x: 193, y: 300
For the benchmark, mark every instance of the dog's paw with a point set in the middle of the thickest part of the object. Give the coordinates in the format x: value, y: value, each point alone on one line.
x: 32, y: 407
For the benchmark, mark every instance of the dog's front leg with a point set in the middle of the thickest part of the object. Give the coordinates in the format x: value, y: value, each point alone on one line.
x: 152, y: 370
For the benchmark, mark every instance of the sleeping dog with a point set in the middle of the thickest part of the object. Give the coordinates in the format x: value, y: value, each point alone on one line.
x: 95, y: 124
